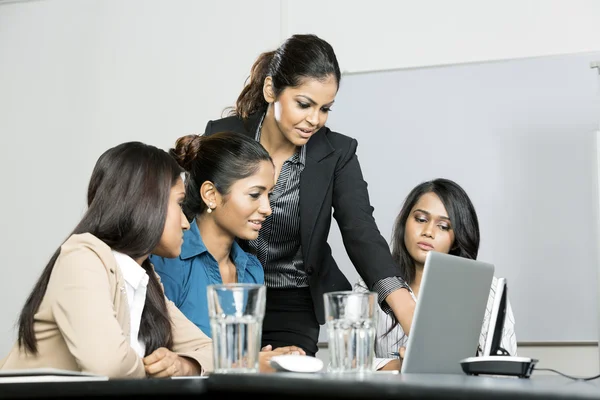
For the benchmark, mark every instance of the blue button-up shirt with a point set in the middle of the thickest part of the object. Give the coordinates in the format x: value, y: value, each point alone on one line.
x: 186, y: 277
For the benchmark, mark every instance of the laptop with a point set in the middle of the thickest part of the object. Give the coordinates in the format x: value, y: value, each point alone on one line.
x: 449, y: 314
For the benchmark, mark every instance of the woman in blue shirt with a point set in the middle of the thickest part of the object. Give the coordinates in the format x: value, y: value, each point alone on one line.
x: 227, y: 197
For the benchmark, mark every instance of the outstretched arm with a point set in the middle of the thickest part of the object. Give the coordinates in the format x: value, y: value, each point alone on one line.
x: 367, y: 249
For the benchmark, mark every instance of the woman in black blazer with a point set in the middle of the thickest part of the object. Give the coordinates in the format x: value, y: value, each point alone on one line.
x: 285, y: 106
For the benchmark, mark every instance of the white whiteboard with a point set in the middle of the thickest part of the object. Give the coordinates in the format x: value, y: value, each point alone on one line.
x: 519, y: 136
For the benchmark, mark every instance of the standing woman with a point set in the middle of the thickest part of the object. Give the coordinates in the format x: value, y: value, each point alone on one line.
x: 285, y: 107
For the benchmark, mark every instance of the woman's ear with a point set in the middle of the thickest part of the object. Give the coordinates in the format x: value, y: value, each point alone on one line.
x: 209, y: 193
x: 268, y: 91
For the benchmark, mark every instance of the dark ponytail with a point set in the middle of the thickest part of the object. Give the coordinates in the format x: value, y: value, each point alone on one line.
x: 252, y: 99
x: 299, y: 57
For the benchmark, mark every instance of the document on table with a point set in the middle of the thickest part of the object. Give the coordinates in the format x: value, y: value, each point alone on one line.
x: 47, y: 375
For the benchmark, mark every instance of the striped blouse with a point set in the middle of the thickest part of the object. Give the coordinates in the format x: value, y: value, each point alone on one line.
x: 278, y: 244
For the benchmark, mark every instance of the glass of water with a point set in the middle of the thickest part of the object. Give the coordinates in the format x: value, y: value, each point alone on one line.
x: 351, y: 319
x: 236, y: 314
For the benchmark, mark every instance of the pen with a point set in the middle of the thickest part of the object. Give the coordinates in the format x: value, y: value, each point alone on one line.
x: 395, y: 354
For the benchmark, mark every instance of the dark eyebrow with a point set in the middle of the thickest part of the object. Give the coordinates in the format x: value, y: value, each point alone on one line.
x: 428, y: 213
x: 314, y: 103
x: 259, y: 187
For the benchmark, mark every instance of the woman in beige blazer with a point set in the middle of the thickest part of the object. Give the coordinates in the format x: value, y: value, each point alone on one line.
x: 98, y: 306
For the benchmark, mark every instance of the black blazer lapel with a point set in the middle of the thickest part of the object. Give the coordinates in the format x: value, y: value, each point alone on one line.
x: 251, y: 124
x: 314, y: 182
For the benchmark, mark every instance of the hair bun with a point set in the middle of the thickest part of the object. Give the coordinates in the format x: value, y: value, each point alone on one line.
x: 186, y: 149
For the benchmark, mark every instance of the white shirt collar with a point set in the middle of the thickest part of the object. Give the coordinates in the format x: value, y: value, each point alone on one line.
x: 132, y: 272
x: 136, y: 282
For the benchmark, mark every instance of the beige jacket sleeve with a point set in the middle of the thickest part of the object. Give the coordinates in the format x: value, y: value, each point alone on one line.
x: 188, y: 339
x: 83, y: 309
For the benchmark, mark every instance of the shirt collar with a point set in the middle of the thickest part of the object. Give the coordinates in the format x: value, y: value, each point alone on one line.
x: 192, y: 242
x: 298, y: 157
x: 193, y: 246
x: 132, y: 272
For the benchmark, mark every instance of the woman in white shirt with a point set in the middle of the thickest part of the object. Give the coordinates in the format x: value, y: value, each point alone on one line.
x: 98, y: 306
x: 437, y: 216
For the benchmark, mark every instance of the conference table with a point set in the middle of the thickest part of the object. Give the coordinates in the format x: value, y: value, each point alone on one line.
x: 285, y: 385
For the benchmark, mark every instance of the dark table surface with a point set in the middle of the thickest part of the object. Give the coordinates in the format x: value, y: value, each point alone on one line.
x: 317, y: 386
x: 397, y: 386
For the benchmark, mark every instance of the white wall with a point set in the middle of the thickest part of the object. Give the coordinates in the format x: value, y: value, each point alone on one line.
x: 388, y: 34
x: 79, y: 76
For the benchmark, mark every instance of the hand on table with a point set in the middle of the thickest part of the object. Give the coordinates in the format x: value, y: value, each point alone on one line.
x: 164, y: 363
x: 267, y: 352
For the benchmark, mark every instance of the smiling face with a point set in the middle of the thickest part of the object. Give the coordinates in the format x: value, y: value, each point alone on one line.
x: 299, y: 112
x: 428, y: 228
x: 172, y: 237
x: 242, y: 211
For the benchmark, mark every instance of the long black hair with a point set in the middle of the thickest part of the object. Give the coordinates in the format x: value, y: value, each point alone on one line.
x: 462, y: 216
x: 298, y: 58
x: 127, y: 199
